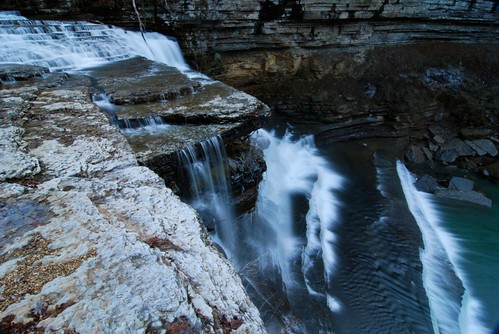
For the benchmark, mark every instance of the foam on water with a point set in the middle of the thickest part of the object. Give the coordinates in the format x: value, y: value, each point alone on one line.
x: 294, y: 168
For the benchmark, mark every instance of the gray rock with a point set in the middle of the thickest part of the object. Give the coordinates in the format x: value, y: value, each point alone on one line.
x: 433, y: 147
x: 428, y: 154
x: 16, y: 161
x: 482, y: 146
x: 460, y: 183
x: 447, y: 156
x: 454, y: 149
x: 426, y: 183
x: 460, y: 146
x: 438, y: 139
x: 471, y: 133
x: 414, y: 154
x: 10, y: 72
x: 466, y: 196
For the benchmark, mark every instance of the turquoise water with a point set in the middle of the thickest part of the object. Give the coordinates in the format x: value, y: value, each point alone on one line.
x: 476, y: 232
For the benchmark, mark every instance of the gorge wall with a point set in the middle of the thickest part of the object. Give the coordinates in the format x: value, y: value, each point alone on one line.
x: 222, y: 26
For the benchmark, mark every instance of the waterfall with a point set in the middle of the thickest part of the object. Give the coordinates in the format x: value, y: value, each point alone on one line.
x: 439, y: 258
x: 204, y: 167
x: 78, y: 45
x: 298, y: 175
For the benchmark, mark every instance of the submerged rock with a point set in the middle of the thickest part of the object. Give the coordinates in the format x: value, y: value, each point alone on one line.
x: 460, y: 183
x: 466, y: 196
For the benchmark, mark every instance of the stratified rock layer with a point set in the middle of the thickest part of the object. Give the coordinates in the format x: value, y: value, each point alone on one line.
x: 209, y: 27
x: 92, y: 242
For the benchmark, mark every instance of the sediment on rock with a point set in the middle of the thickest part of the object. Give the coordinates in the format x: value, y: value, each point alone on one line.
x: 105, y: 245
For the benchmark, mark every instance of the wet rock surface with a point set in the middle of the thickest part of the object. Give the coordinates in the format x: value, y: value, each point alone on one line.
x: 91, y: 241
x: 139, y: 80
x: 16, y: 72
x: 175, y: 112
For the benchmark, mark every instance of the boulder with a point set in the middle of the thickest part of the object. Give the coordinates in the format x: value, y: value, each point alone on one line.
x: 447, y: 156
x: 482, y: 147
x: 454, y: 149
x: 426, y: 183
x: 466, y: 196
x: 460, y: 183
x: 414, y: 154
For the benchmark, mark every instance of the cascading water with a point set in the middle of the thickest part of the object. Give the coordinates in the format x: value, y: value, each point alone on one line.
x: 294, y: 251
x: 75, y: 46
x: 78, y: 45
x: 204, y: 168
x: 439, y: 258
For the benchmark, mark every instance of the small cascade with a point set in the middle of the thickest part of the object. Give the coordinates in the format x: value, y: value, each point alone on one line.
x: 77, y: 45
x: 449, y: 313
x: 103, y: 102
x: 204, y: 168
x: 134, y: 123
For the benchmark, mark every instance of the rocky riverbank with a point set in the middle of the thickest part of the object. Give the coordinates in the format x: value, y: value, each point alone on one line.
x: 91, y: 241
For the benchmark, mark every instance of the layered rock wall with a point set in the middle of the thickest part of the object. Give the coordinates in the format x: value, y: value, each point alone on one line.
x: 220, y: 26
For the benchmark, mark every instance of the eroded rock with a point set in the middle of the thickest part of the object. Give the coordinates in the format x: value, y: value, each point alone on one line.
x: 16, y: 161
x: 112, y: 249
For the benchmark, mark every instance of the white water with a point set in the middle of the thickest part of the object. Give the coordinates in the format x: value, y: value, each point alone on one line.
x: 205, y: 169
x: 78, y: 45
x: 440, y: 254
x: 294, y: 168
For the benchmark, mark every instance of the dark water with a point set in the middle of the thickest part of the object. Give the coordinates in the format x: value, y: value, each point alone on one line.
x: 341, y: 242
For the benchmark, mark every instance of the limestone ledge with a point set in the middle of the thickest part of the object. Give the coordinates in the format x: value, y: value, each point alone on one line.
x: 92, y: 242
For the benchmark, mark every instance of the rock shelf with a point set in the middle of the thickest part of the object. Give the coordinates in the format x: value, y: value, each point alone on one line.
x: 93, y: 242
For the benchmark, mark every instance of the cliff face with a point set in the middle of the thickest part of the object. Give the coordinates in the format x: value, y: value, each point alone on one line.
x: 205, y: 26
x: 234, y: 25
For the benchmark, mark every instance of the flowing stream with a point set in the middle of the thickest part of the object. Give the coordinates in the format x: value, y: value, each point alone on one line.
x: 340, y: 241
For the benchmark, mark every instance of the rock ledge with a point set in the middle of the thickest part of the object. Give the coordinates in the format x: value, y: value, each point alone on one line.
x: 92, y: 242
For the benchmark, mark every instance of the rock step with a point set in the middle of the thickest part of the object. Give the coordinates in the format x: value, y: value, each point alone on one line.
x: 138, y: 80
x: 215, y: 103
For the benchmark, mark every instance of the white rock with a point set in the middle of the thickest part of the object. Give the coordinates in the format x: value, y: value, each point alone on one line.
x: 15, y: 162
